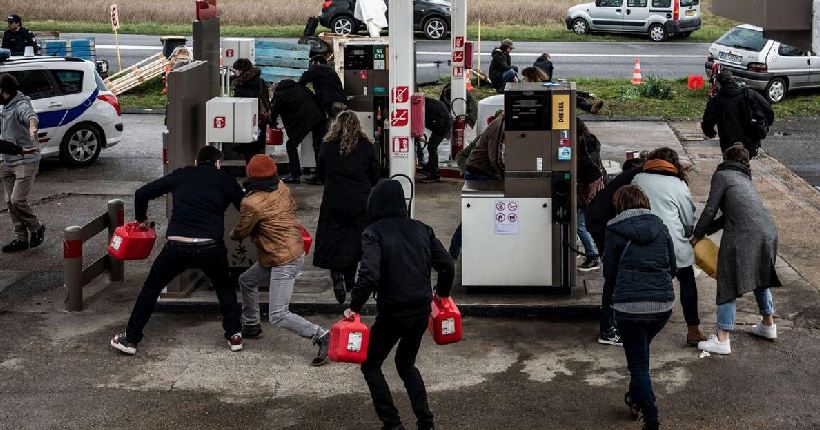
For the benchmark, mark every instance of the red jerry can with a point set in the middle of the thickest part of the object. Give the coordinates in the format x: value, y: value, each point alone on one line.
x: 130, y: 242
x: 306, y: 239
x: 694, y: 82
x: 274, y: 137
x: 349, y: 340
x: 445, y: 321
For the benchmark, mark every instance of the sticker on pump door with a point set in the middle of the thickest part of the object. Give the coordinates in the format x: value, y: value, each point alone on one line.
x: 565, y: 154
x: 506, y: 218
x: 354, y: 342
x: 448, y: 326
x: 116, y: 242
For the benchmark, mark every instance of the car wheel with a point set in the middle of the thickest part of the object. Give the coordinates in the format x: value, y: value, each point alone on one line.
x: 580, y: 26
x: 343, y: 25
x: 658, y: 33
x: 81, y: 145
x: 317, y: 46
x: 435, y: 28
x: 776, y: 90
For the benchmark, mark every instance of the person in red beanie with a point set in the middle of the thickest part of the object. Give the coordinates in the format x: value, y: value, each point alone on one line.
x: 268, y: 215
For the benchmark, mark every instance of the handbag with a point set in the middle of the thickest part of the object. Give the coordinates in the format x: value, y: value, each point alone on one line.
x: 706, y: 256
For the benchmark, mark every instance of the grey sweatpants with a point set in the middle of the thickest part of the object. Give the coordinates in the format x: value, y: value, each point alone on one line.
x: 282, y: 279
x: 17, y: 182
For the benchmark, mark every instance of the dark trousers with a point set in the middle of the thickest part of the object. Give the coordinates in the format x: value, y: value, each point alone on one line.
x: 349, y: 276
x: 583, y: 104
x: 688, y: 295
x: 292, y: 147
x: 637, y: 332
x: 455, y: 244
x: 432, y: 150
x: 174, y: 259
x: 607, y: 320
x: 384, y: 334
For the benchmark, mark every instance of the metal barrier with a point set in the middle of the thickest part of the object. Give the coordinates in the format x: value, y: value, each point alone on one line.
x: 75, y: 276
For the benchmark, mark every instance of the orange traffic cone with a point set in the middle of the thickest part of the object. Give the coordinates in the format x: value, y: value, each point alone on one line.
x: 469, y: 80
x: 637, y: 79
x: 167, y: 72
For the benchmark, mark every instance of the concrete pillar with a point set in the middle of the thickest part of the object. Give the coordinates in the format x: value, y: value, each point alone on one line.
x: 73, y: 268
x: 402, y: 84
x: 116, y: 218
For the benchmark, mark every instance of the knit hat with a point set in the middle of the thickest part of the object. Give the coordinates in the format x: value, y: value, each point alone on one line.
x: 261, y: 166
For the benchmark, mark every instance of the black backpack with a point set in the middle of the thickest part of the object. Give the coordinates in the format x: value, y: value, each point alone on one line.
x: 757, y: 124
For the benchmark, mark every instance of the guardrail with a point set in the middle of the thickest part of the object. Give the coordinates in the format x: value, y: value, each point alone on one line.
x: 74, y: 275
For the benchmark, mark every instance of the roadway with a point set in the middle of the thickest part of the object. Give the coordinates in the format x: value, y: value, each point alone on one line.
x: 572, y: 60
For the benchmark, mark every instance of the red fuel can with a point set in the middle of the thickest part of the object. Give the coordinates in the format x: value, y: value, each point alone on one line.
x: 445, y: 321
x: 274, y: 137
x: 306, y: 239
x: 349, y: 340
x: 130, y: 242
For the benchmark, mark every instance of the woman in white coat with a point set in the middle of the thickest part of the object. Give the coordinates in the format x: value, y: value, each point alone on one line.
x: 665, y: 183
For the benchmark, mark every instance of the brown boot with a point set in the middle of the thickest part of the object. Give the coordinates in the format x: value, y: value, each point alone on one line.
x: 596, y: 107
x: 694, y: 335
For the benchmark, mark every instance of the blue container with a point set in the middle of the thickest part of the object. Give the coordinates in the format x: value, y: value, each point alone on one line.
x: 84, y: 48
x: 55, y: 48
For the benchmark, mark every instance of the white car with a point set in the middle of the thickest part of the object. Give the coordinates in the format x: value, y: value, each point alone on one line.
x: 78, y: 115
x: 660, y: 19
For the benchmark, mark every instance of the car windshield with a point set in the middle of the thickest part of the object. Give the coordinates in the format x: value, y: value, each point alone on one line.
x: 743, y: 38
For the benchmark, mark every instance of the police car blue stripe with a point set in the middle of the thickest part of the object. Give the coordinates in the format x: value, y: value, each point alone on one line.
x: 60, y: 117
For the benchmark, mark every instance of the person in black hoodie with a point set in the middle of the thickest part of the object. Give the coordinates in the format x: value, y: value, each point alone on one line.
x: 501, y: 68
x: 639, y: 263
x: 597, y: 214
x: 436, y: 119
x: 248, y: 83
x: 300, y: 115
x: 544, y: 62
x: 201, y: 195
x: 727, y: 112
x: 399, y: 253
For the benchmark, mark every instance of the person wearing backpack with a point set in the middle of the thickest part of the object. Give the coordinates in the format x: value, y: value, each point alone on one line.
x: 739, y: 113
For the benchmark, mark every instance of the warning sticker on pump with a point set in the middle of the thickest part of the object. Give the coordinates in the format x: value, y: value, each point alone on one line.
x: 565, y: 154
x: 506, y: 217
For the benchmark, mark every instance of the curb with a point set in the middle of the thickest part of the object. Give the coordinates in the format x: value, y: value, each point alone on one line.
x: 143, y: 111
x: 544, y: 312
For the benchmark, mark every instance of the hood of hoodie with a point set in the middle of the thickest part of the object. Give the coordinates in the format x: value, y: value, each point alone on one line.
x: 285, y: 84
x: 731, y: 90
x: 497, y: 52
x: 11, y: 104
x: 637, y: 225
x: 247, y: 77
x: 386, y: 201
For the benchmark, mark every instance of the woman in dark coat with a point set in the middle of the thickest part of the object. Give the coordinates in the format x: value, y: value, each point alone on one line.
x: 748, y: 248
x: 349, y: 169
x: 301, y: 115
x: 248, y: 83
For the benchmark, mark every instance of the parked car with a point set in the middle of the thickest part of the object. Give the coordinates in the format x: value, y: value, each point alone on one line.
x: 660, y: 19
x: 78, y: 115
x: 763, y: 64
x: 432, y: 17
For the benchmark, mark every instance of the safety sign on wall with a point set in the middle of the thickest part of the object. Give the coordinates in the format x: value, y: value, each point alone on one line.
x: 506, y: 217
x: 399, y: 118
x: 401, y: 147
x: 401, y: 94
x: 458, y: 71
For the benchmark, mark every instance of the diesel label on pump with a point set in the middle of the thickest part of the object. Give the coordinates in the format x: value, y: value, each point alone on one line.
x: 560, y: 112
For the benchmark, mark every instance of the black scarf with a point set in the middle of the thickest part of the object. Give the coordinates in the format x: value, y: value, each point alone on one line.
x: 267, y: 185
x: 734, y: 165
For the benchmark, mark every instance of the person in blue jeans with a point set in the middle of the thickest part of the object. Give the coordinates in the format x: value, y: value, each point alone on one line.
x: 639, y: 261
x: 748, y: 248
x: 501, y: 67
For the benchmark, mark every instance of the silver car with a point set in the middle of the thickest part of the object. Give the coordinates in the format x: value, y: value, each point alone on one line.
x: 764, y: 64
x: 660, y: 19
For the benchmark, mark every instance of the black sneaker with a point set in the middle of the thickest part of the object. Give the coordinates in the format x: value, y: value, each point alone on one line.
x: 610, y: 337
x: 38, y: 237
x: 590, y: 264
x: 121, y: 344
x: 634, y: 412
x: 252, y: 331
x: 314, y: 180
x: 324, y: 344
x: 292, y: 179
x: 16, y: 245
x: 339, y: 287
x: 431, y: 178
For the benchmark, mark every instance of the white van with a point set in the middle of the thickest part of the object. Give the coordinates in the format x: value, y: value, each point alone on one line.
x: 660, y: 19
x: 764, y: 64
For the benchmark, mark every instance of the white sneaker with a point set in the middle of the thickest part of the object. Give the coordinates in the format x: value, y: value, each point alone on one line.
x: 765, y: 331
x: 714, y: 346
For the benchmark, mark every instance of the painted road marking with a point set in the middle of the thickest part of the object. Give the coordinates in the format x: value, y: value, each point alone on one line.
x: 535, y: 55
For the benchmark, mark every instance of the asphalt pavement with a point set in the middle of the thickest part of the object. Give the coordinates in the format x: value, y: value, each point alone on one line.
x: 572, y: 60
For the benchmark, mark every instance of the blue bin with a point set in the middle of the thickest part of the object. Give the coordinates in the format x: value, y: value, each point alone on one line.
x: 55, y: 48
x: 84, y: 48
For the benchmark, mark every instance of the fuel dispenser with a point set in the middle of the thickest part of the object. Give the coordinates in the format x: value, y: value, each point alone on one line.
x: 367, y: 82
x: 518, y: 232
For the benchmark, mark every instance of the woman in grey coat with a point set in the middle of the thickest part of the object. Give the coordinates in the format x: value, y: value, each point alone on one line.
x: 748, y: 248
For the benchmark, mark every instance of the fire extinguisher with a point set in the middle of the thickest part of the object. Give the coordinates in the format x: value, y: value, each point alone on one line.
x: 457, y: 136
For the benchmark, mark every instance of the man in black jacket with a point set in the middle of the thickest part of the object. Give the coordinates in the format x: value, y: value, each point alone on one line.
x: 727, y: 111
x: 501, y: 68
x: 544, y: 62
x: 398, y: 254
x: 300, y: 115
x: 436, y: 119
x: 17, y: 37
x: 201, y: 195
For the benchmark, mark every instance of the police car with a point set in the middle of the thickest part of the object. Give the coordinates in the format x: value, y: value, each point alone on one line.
x: 78, y: 115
